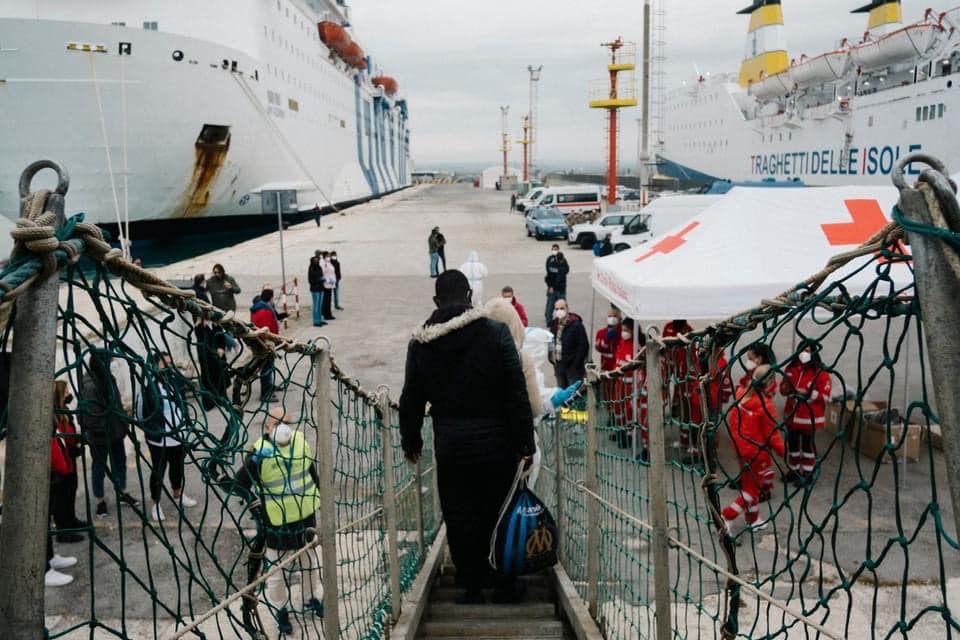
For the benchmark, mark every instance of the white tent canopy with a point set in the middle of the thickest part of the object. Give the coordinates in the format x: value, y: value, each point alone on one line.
x: 751, y: 245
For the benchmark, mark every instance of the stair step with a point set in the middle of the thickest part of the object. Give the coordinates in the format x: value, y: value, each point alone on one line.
x: 534, y: 593
x: 493, y: 628
x: 536, y: 579
x: 519, y: 637
x: 527, y: 611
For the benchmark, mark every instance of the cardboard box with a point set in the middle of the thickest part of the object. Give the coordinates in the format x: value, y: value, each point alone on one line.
x: 935, y: 435
x: 874, y: 437
x: 847, y: 417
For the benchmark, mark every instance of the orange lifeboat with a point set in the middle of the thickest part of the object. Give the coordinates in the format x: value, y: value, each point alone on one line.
x: 353, y: 55
x: 388, y: 84
x: 334, y: 36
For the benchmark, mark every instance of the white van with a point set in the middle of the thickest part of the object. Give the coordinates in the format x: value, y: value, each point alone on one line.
x: 659, y: 217
x: 571, y: 198
x: 532, y: 196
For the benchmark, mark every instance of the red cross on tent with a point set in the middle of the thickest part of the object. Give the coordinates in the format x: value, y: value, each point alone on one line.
x: 669, y: 243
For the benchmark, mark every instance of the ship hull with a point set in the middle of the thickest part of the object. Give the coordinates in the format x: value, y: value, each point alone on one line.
x: 127, y: 127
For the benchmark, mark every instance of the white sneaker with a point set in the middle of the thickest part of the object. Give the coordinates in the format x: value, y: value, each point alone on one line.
x: 157, y: 513
x: 187, y: 501
x: 61, y: 562
x: 759, y: 525
x: 54, y: 578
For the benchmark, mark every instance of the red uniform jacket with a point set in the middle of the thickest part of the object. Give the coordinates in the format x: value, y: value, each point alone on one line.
x: 806, y: 387
x: 753, y: 427
x: 608, y: 347
x: 623, y: 392
x: 262, y: 315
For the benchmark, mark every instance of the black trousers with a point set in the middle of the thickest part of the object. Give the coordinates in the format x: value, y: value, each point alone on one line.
x: 266, y: 379
x: 162, y: 459
x: 63, y: 497
x: 471, y: 496
x: 327, y: 301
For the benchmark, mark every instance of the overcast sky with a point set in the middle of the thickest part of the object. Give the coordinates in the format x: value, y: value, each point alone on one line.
x: 457, y: 61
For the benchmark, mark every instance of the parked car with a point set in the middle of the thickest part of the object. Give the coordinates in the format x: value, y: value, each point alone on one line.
x: 635, y: 231
x: 585, y: 235
x: 546, y: 222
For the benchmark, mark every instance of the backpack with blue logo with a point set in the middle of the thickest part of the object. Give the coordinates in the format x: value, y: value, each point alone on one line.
x: 525, y: 539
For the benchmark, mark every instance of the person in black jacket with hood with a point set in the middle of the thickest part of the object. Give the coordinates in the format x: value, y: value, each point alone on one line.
x: 571, y: 347
x: 467, y: 367
x: 557, y: 269
x: 315, y: 278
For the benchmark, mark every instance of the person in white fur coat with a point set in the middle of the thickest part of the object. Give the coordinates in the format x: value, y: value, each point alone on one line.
x: 532, y: 345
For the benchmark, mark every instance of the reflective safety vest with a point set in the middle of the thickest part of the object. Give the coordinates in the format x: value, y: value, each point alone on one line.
x: 289, y: 493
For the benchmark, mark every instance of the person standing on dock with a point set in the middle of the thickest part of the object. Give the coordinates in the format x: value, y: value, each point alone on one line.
x: 466, y: 366
x: 336, y: 292
x: 105, y: 429
x: 508, y: 293
x: 442, y: 250
x: 280, y: 478
x: 433, y: 242
x: 571, y: 345
x: 264, y: 315
x: 223, y: 289
x: 556, y: 279
x: 475, y: 271
x: 329, y: 285
x: 315, y: 278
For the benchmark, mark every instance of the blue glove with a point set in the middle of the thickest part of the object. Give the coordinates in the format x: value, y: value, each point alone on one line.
x: 562, y: 395
x: 264, y: 452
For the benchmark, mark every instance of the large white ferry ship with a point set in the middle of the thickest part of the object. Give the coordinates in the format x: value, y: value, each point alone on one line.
x: 172, y: 113
x: 840, y: 117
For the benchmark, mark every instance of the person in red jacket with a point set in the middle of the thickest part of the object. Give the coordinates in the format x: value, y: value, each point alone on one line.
x: 752, y: 422
x: 507, y: 292
x: 806, y: 386
x: 683, y: 372
x: 757, y: 355
x: 623, y: 389
x: 264, y: 315
x: 607, y: 342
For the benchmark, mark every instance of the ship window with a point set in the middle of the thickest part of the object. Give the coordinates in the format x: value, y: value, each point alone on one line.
x: 119, y: 24
x: 926, y: 113
x: 870, y: 121
x: 918, y: 114
x: 940, y: 109
x: 933, y: 111
x: 150, y: 25
x: 293, y: 105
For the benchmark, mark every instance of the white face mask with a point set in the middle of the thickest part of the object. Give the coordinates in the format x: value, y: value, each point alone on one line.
x: 805, y: 357
x: 556, y: 253
x: 626, y: 335
x: 750, y: 365
x: 282, y: 434
x: 559, y: 314
x: 612, y: 321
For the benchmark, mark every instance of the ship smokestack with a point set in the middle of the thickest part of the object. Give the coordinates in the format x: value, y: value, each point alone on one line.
x: 766, y: 52
x: 884, y: 16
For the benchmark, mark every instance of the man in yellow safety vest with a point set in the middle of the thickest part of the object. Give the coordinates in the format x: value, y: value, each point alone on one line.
x: 281, y: 469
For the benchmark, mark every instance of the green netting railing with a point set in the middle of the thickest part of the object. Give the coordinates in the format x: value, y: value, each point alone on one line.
x: 792, y: 510
x: 207, y: 568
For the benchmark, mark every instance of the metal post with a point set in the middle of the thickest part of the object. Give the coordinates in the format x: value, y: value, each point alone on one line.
x: 421, y: 533
x: 26, y: 496
x: 645, y: 113
x: 390, y: 504
x: 591, y: 483
x: 558, y: 477
x: 938, y: 286
x: 328, y: 495
x: 283, y: 264
x: 658, y: 490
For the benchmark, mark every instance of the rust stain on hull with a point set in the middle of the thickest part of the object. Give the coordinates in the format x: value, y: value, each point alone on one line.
x: 208, y: 162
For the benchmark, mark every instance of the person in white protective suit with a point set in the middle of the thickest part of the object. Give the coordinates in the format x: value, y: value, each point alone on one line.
x: 532, y: 345
x: 475, y: 271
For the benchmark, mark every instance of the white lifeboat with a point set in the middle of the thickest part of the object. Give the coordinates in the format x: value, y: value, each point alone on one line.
x: 772, y: 86
x: 902, y: 45
x: 826, y: 67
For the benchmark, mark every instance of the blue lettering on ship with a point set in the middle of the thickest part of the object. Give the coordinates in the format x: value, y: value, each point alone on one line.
x: 855, y: 161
